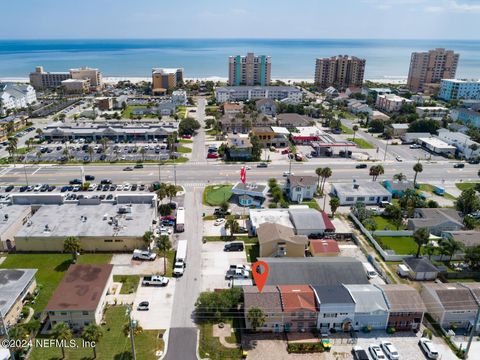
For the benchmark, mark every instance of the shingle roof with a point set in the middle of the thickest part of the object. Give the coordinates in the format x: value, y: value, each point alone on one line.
x: 268, y: 300
x: 436, y: 216
x: 403, y: 298
x: 81, y: 288
x: 333, y: 294
x: 302, y: 181
x: 453, y: 296
x: 268, y: 232
x: 469, y: 238
x: 315, y: 271
x: 324, y: 246
x: 420, y: 264
x: 297, y: 297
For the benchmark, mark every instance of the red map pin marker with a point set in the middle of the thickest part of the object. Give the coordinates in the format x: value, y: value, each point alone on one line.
x: 260, y: 274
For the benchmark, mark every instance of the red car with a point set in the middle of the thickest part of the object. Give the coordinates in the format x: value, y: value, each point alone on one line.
x: 212, y: 156
x: 186, y: 136
x: 286, y: 151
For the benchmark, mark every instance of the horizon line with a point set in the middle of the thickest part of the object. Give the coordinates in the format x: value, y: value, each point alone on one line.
x: 237, y: 38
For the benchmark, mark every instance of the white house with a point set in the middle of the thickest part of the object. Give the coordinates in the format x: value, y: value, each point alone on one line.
x: 367, y: 192
x: 16, y: 96
x: 461, y: 141
x: 179, y: 97
x: 432, y: 112
x: 371, y: 308
x: 300, y: 188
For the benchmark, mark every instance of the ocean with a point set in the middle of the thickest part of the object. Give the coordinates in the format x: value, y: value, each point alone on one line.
x: 292, y: 59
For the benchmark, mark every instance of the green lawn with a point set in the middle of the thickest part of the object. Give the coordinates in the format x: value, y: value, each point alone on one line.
x: 346, y: 130
x: 181, y: 111
x: 402, y: 245
x: 184, y: 150
x: 129, y: 283
x: 429, y: 188
x: 185, y: 141
x: 113, y: 345
x: 210, y: 347
x: 212, y: 132
x: 215, y: 195
x: 253, y: 252
x: 23, y: 151
x: 362, y: 144
x: 466, y: 186
x: 385, y: 224
x: 51, y: 268
x: 170, y: 263
x: 128, y: 111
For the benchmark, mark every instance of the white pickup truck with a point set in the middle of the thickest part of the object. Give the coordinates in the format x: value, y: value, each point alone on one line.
x: 155, y: 280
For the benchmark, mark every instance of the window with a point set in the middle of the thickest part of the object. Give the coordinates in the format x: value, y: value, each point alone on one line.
x: 85, y: 313
x: 343, y: 314
x: 371, y: 198
x: 361, y: 198
x: 350, y: 198
x: 332, y: 315
x: 118, y: 240
x: 63, y: 313
x: 52, y: 312
x: 107, y: 240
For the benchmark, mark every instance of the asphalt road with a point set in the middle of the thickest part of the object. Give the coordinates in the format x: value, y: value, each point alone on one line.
x: 180, y: 343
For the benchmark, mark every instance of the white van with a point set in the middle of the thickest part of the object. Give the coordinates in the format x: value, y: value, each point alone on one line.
x: 371, y: 273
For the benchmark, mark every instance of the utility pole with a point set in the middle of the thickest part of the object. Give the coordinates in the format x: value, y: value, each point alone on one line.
x: 472, y: 332
x: 386, y: 147
x: 159, y: 174
x: 131, y: 330
x: 25, y: 169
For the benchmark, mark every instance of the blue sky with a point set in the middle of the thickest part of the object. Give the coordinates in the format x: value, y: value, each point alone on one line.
x: 402, y: 19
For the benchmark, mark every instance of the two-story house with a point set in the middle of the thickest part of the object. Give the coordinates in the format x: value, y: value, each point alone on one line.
x: 299, y: 307
x: 371, y: 309
x: 269, y: 302
x: 300, y: 188
x: 277, y: 240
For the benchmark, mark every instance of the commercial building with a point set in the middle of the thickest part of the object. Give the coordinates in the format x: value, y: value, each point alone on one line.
x: 42, y: 80
x: 367, y: 192
x: 437, y: 146
x: 94, y: 76
x: 76, y: 86
x: 16, y: 96
x: 340, y: 72
x: 99, y: 226
x: 115, y: 132
x: 249, y: 70
x: 431, y: 67
x: 179, y: 97
x: 104, y: 103
x: 432, y: 112
x: 466, y: 116
x: 243, y: 93
x: 15, y: 285
x: 436, y: 220
x: 12, y: 218
x: 79, y: 299
x: 398, y: 129
x: 455, y: 89
x: 250, y: 194
x: 164, y: 79
x: 391, y: 102
x: 239, y: 147
x: 462, y: 142
x: 280, y: 241
x: 406, y: 307
x: 272, y: 136
x: 300, y: 188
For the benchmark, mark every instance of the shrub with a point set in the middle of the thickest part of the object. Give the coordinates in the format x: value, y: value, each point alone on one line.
x: 391, y: 330
x: 272, y: 205
x: 305, y: 348
x: 367, y: 329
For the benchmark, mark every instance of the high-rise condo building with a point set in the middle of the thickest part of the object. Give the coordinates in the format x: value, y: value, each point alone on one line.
x: 454, y: 89
x: 164, y: 79
x: 340, y: 72
x: 94, y: 76
x: 249, y: 70
x: 431, y: 67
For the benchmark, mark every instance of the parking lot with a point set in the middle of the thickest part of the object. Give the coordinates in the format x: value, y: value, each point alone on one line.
x: 160, y: 306
x: 215, y: 263
x: 123, y: 264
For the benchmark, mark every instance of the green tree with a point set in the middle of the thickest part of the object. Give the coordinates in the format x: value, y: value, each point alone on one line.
x: 418, y: 168
x: 92, y: 333
x: 171, y: 190
x: 17, y: 332
x: 147, y: 239
x: 421, y: 237
x: 429, y: 250
x: 451, y: 247
x: 256, y: 317
x: 400, y: 177
x: 224, y: 206
x: 395, y: 214
x: 472, y: 256
x: 375, y: 171
x: 468, y: 202
x: 334, y: 204
x: 188, y: 126
x: 355, y: 129
x: 232, y: 225
x: 164, y: 246
x: 142, y: 152
x: 277, y: 194
x: 272, y: 183
x: 369, y: 224
x: 319, y: 172
x: 326, y: 173
x: 61, y: 331
x: 256, y: 148
x: 72, y: 245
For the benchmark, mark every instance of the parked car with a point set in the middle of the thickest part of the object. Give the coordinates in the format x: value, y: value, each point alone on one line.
x: 143, y: 306
x: 237, y: 274
x: 415, y: 146
x: 376, y: 352
x: 429, y: 349
x: 390, y: 350
x: 75, y: 181
x: 89, y: 177
x: 51, y: 188
x: 155, y: 280
x: 459, y: 166
x: 9, y: 188
x: 37, y: 187
x: 23, y: 188
x: 359, y: 354
x: 106, y: 181
x: 240, y: 267
x: 361, y: 166
x: 143, y: 255
x: 212, y: 156
x: 287, y: 173
x: 262, y: 165
x: 219, y: 222
x: 234, y: 246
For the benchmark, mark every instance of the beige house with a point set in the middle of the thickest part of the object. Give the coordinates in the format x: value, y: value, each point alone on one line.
x: 269, y: 301
x: 277, y: 240
x: 98, y: 226
x: 15, y: 285
x: 80, y: 297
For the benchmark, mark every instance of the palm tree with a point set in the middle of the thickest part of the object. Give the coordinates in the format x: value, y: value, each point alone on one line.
x: 171, y: 191
x: 162, y: 192
x: 375, y: 171
x: 17, y: 332
x: 319, y: 172
x: 104, y: 142
x: 256, y: 317
x: 418, y: 168
x: 62, y: 331
x: 421, y: 237
x: 10, y: 127
x: 39, y: 155
x: 451, y: 247
x: 334, y: 204
x: 147, y: 239
x: 355, y: 129
x: 92, y: 333
x: 429, y: 250
x: 12, y: 148
x: 232, y: 225
x: 72, y: 245
x: 326, y: 173
x: 142, y: 152
x: 400, y: 177
x: 39, y: 131
x: 164, y: 245
x: 90, y: 152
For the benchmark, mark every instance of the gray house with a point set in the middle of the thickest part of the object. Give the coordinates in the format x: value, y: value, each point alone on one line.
x: 436, y: 220
x: 420, y: 269
x: 266, y: 106
x: 371, y: 309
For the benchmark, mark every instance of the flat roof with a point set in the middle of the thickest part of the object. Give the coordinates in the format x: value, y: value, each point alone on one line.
x: 249, y: 188
x: 9, y: 214
x: 310, y: 219
x: 89, y: 220
x: 280, y: 130
x: 13, y: 282
x: 276, y: 216
x: 365, y: 188
x: 436, y: 142
x: 307, y: 131
x: 81, y: 288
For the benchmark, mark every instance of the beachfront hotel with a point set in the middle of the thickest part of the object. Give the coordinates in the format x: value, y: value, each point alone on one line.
x: 42, y: 80
x: 164, y: 79
x: 340, y: 72
x: 249, y: 70
x: 431, y: 67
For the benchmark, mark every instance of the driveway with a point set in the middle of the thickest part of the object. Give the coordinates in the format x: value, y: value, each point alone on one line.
x: 161, y: 306
x: 215, y: 263
x: 123, y: 264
